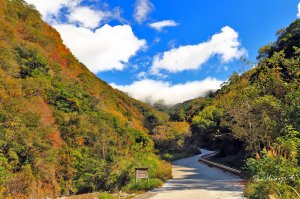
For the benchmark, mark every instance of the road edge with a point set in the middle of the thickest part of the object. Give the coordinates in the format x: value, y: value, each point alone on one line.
x: 220, y: 166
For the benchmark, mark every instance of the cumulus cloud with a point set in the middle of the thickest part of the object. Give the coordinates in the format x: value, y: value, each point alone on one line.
x: 298, y: 15
x: 151, y: 91
x: 160, y: 25
x: 106, y: 48
x: 141, y: 75
x: 52, y: 7
x: 142, y: 10
x: 192, y: 57
x: 100, y: 49
x: 86, y: 17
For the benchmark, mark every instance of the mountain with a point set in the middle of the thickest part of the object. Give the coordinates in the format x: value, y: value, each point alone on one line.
x: 63, y: 130
x: 254, y: 119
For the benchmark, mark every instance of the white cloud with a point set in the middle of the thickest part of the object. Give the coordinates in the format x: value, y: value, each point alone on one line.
x: 142, y: 75
x: 192, y: 57
x: 298, y: 15
x: 152, y: 91
x: 87, y: 17
x: 253, y: 66
x: 52, y: 7
x: 142, y: 10
x: 106, y: 48
x: 160, y: 25
x: 82, y: 16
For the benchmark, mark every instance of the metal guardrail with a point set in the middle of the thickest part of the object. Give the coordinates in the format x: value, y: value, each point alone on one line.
x: 220, y: 166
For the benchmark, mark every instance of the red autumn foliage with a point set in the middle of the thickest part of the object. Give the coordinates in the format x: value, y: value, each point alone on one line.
x: 40, y: 107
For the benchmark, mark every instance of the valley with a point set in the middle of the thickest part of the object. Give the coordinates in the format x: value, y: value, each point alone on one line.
x: 66, y: 132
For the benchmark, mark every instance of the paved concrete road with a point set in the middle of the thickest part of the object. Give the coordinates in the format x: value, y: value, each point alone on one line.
x: 193, y: 179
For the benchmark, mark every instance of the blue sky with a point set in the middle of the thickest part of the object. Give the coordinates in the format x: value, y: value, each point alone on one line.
x: 166, y: 50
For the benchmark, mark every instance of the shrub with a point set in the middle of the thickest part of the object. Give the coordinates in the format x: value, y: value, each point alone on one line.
x: 31, y: 62
x: 276, y: 171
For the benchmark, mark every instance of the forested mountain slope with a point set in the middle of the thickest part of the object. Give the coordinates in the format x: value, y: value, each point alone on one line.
x: 62, y: 130
x: 256, y: 114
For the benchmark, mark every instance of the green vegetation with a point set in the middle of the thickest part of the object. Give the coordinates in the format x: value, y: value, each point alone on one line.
x: 180, y: 155
x: 105, y: 195
x: 143, y: 184
x: 62, y: 130
x: 253, y: 120
x: 172, y: 139
x: 275, y: 170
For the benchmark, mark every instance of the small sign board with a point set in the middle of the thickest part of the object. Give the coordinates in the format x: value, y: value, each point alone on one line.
x: 141, y: 173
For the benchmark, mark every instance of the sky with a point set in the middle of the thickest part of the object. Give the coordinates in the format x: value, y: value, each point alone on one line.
x: 167, y: 50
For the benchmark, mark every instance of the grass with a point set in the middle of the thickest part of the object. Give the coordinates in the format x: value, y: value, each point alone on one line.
x: 143, y: 185
x: 268, y: 189
x: 105, y: 195
x: 176, y: 156
x: 83, y: 196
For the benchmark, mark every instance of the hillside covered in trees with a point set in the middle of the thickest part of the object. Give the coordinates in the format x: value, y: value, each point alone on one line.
x: 253, y: 120
x: 62, y: 130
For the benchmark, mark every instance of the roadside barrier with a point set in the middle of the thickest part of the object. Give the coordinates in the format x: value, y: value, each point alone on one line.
x: 220, y: 166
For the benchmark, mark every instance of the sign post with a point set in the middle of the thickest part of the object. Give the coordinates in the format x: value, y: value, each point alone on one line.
x: 141, y: 173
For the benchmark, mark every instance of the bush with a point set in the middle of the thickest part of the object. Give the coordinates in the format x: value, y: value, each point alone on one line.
x: 31, y: 62
x: 275, y: 171
x: 263, y: 190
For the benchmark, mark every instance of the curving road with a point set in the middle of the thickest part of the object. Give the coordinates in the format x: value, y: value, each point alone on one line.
x: 193, y: 179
